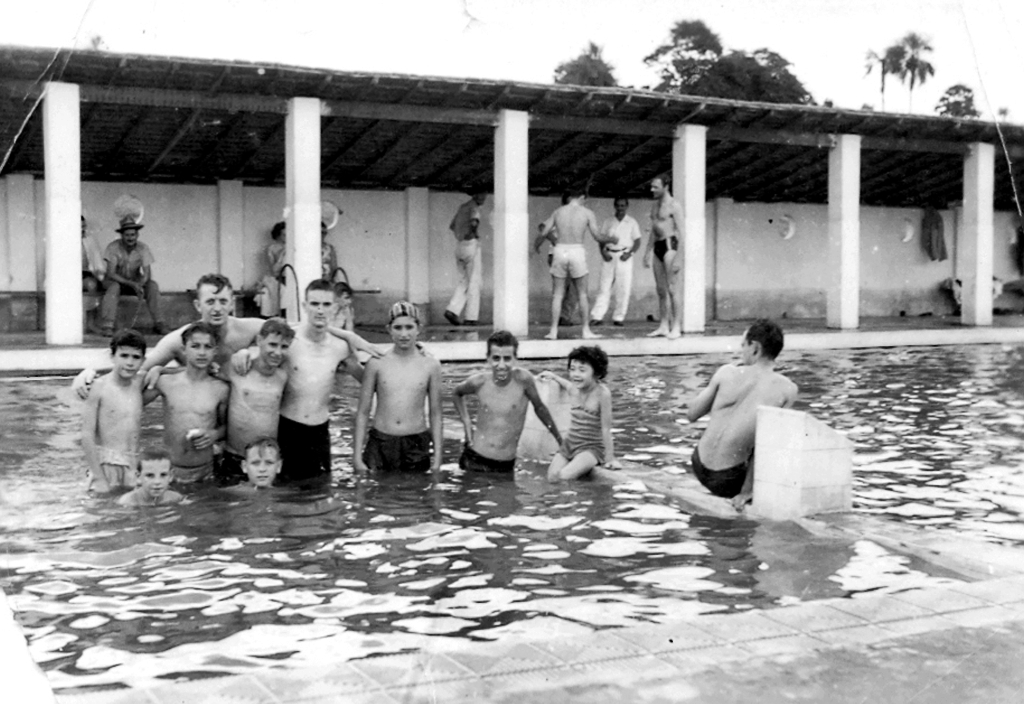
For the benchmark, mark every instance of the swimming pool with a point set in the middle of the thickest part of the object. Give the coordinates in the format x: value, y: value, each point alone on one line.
x: 110, y: 597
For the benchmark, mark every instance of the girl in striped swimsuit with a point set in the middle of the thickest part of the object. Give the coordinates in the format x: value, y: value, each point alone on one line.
x: 589, y: 440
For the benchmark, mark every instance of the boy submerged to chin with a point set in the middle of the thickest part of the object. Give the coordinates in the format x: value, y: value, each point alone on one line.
x: 152, y: 483
x: 262, y: 463
x: 589, y: 440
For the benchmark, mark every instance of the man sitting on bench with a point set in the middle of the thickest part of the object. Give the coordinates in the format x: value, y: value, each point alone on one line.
x: 128, y: 271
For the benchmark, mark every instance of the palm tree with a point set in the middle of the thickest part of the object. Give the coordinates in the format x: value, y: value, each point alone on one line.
x: 915, y: 66
x: 889, y: 63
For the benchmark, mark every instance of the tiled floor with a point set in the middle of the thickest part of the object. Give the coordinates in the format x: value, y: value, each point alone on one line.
x: 643, y: 655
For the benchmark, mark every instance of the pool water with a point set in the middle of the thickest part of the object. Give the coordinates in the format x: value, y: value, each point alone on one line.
x: 225, y: 584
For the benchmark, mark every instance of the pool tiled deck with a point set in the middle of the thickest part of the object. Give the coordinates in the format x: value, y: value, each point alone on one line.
x: 27, y: 352
x: 668, y: 662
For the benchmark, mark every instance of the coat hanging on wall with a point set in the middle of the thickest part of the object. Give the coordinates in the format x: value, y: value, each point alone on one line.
x: 932, y: 238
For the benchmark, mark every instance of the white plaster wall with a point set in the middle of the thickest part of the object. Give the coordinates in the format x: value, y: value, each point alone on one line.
x: 752, y: 269
x: 180, y: 226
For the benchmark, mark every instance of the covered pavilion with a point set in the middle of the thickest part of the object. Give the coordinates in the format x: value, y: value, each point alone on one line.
x: 84, y: 115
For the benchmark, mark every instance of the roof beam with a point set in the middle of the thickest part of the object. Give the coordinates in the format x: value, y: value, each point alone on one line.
x: 741, y: 175
x: 221, y: 138
x: 344, y: 149
x: 384, y: 152
x: 474, y: 147
x: 424, y: 157
x: 243, y: 164
x: 108, y: 159
x: 184, y: 129
x: 748, y: 185
x: 608, y: 163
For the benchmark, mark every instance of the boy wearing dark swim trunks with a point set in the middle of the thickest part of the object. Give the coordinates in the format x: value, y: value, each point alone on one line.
x: 723, y: 460
x: 589, y: 440
x: 400, y: 438
x: 503, y: 394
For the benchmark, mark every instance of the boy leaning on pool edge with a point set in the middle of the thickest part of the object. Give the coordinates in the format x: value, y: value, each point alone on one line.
x: 723, y: 460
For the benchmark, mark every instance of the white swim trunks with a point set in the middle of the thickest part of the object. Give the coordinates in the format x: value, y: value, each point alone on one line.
x: 568, y: 260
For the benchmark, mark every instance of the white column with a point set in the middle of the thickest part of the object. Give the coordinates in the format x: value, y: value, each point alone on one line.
x: 417, y: 247
x: 975, y: 256
x: 62, y: 164
x: 21, y: 234
x: 842, y: 299
x: 230, y: 232
x: 511, y: 222
x: 689, y: 160
x: 302, y: 187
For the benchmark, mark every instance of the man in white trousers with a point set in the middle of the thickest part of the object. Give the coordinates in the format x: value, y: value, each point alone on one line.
x: 617, y: 270
x: 464, y: 307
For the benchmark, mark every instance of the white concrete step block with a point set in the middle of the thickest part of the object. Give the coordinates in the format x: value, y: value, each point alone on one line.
x: 536, y: 443
x: 802, y: 466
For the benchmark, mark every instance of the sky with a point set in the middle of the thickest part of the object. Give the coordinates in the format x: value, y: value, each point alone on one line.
x: 979, y: 43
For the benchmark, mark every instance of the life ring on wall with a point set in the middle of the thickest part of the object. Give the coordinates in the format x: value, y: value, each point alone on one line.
x: 908, y: 230
x: 787, y: 228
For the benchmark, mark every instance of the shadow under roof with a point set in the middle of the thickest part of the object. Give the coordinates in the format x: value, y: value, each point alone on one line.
x: 180, y: 120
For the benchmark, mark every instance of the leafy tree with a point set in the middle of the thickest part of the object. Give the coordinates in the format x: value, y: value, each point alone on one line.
x: 915, y: 66
x: 587, y: 69
x: 957, y: 101
x: 889, y: 63
x: 693, y: 62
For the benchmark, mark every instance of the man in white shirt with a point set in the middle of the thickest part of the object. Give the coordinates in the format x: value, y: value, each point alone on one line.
x: 617, y: 270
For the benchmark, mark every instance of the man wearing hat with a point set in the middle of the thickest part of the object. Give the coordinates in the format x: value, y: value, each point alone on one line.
x: 128, y: 271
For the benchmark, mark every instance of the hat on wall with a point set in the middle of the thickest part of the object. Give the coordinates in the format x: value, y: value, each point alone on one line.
x: 128, y: 210
x: 128, y: 223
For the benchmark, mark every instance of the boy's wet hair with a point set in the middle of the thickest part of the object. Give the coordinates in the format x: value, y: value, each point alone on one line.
x: 218, y: 281
x: 592, y: 355
x: 153, y: 456
x: 502, y: 338
x: 277, y: 326
x: 769, y: 334
x: 207, y: 328
x: 277, y: 229
x: 404, y: 309
x: 128, y: 338
x: 261, y: 445
x: 320, y: 285
x: 342, y: 289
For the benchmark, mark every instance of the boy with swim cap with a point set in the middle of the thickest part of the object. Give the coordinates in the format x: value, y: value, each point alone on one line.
x: 400, y: 438
x: 503, y: 393
x: 723, y: 460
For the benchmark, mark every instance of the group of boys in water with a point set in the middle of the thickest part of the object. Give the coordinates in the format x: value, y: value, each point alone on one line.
x: 261, y: 389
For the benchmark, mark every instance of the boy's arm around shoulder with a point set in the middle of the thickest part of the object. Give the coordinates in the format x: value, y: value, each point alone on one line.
x: 701, y: 405
x: 539, y: 407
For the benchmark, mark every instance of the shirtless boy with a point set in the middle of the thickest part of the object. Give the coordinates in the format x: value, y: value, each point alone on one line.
x: 152, y: 482
x: 401, y: 380
x: 214, y: 303
x: 262, y: 463
x: 254, y: 407
x: 112, y: 418
x: 503, y: 394
x: 572, y: 222
x: 313, y: 358
x: 666, y: 227
x: 195, y: 404
x: 723, y: 460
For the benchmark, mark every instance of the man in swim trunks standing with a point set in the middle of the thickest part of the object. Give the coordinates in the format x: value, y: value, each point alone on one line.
x: 465, y: 226
x: 569, y: 259
x: 503, y: 395
x: 723, y: 460
x: 666, y: 228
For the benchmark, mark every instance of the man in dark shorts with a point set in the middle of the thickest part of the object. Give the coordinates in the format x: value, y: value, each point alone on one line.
x: 666, y: 226
x: 313, y: 360
x: 723, y: 460
x: 503, y: 394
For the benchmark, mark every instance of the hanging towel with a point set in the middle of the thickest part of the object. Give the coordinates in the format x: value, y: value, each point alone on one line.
x: 932, y: 239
